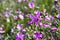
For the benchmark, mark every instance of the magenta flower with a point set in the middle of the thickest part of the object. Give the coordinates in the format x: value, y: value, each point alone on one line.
x: 58, y: 15
x: 35, y: 18
x: 41, y: 24
x: 54, y: 29
x: 19, y: 27
x: 37, y: 13
x: 15, y: 17
x: 31, y: 5
x: 6, y: 15
x: 24, y: 30
x: 47, y: 25
x: 19, y: 36
x: 49, y: 17
x: 1, y: 32
x: 37, y: 35
x: 55, y: 0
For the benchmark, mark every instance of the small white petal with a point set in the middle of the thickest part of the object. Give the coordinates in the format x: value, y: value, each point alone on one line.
x: 8, y: 20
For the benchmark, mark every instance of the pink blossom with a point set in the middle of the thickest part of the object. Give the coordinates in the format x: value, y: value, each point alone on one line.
x: 31, y: 5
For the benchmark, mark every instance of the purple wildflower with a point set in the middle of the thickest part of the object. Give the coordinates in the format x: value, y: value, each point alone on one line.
x: 15, y: 17
x: 37, y: 35
x: 24, y: 30
x: 55, y: 23
x: 19, y: 27
x: 1, y: 31
x: 37, y: 13
x: 6, y: 15
x: 47, y: 25
x: 58, y: 6
x: 40, y: 19
x: 19, y: 36
x: 55, y: 0
x: 35, y: 18
x: 49, y: 17
x: 58, y: 15
x: 31, y: 5
x: 23, y: 35
x: 41, y: 24
x: 54, y: 29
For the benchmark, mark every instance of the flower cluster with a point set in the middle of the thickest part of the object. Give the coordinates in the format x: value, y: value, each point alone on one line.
x: 30, y: 20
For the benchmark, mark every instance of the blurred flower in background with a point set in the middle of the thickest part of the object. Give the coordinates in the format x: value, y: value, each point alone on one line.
x: 58, y: 15
x: 15, y: 17
x: 31, y: 5
x: 19, y: 36
x: 19, y: 27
